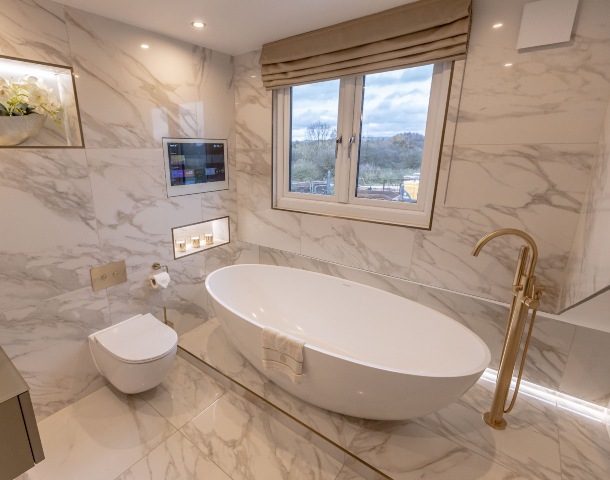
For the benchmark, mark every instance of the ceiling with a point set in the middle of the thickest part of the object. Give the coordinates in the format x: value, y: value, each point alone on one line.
x: 233, y: 26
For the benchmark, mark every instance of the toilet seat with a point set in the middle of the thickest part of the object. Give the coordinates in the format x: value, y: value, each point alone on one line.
x: 140, y: 339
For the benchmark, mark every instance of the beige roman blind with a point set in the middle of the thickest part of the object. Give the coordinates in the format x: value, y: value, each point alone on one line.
x: 421, y: 32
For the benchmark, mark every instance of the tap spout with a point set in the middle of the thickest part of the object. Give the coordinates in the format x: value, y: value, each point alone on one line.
x: 510, y: 231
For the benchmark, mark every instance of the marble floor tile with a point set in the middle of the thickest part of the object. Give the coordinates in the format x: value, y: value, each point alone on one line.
x: 528, y: 446
x: 405, y: 451
x: 248, y: 444
x: 175, y: 459
x: 334, y: 426
x: 208, y: 343
x: 184, y: 393
x: 585, y: 447
x: 98, y: 437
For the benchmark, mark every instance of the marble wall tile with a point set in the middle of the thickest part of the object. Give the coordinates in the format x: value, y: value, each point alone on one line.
x: 387, y: 283
x: 258, y: 222
x: 49, y: 238
x: 549, y: 346
x: 369, y: 246
x: 185, y: 299
x: 132, y: 97
x: 234, y: 253
x: 586, y: 373
x: 252, y: 104
x: 81, y: 442
x: 134, y: 214
x: 47, y: 342
x: 549, y: 95
x: 34, y: 30
x: 213, y: 73
x: 535, y: 188
x: 248, y: 444
x: 588, y: 269
x: 177, y: 457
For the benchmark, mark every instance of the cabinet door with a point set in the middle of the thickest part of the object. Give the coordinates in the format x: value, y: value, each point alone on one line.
x: 15, y: 452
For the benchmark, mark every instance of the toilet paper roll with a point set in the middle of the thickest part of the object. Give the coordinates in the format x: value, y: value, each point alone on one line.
x: 160, y: 280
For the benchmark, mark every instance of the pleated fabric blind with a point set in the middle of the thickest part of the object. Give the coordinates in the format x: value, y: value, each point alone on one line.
x: 426, y: 31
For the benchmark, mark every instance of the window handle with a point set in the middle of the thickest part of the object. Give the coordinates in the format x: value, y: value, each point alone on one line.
x: 352, y: 139
x: 337, y: 142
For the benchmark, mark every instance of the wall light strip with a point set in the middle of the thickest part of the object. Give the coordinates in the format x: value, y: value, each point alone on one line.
x: 553, y: 397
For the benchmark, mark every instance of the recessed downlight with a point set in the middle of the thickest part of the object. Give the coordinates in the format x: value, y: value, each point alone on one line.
x: 145, y: 46
x: 508, y: 64
x: 497, y: 25
x: 198, y: 24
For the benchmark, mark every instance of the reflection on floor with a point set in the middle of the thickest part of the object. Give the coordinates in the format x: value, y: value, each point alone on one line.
x: 190, y: 427
x: 543, y: 441
x: 200, y: 425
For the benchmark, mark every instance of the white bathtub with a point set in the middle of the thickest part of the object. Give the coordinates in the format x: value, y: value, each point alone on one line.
x: 368, y: 353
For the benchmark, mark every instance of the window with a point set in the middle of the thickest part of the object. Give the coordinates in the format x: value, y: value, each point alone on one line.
x: 364, y: 147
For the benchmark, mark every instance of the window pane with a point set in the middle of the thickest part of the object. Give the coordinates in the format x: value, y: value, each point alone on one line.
x: 394, y: 114
x: 313, y: 130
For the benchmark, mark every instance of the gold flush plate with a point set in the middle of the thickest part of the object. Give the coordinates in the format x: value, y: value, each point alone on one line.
x: 108, y: 275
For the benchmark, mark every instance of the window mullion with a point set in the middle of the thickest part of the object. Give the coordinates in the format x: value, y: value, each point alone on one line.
x: 344, y: 132
x: 356, y: 123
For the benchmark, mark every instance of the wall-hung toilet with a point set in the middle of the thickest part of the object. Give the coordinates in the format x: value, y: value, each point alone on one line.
x: 136, y: 354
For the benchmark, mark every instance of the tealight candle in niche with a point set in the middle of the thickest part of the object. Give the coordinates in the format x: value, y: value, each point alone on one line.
x: 196, y: 241
x: 209, y: 238
x: 181, y: 245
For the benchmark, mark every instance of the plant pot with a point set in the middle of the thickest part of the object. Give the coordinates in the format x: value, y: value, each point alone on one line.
x: 17, y: 129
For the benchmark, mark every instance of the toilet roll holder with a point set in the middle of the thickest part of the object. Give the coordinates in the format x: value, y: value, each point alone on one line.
x: 158, y: 266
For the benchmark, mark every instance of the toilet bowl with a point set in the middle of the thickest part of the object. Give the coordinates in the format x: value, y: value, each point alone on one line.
x: 136, y: 354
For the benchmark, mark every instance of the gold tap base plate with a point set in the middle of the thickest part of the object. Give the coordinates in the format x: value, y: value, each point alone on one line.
x: 501, y: 425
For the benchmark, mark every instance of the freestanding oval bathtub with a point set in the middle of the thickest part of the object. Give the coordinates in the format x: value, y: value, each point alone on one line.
x: 368, y: 353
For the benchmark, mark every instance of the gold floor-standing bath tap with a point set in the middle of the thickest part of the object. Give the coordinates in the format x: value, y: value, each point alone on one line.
x: 526, y: 296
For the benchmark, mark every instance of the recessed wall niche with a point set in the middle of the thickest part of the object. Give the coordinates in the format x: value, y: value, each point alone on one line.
x: 199, y: 237
x: 60, y: 80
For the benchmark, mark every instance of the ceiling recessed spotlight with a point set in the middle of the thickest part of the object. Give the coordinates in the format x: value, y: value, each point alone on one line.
x: 145, y: 46
x: 508, y: 64
x: 198, y: 24
x: 497, y: 25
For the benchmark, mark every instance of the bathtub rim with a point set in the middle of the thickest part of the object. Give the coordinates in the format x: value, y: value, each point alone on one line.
x: 471, y: 371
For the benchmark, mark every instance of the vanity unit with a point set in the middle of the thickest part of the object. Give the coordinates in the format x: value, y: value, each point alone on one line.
x: 20, y: 446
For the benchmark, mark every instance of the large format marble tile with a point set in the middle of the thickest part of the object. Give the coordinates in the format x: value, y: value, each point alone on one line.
x: 99, y: 437
x: 258, y: 222
x: 235, y: 253
x: 246, y: 443
x: 135, y: 216
x: 586, y: 373
x: 585, y: 447
x: 130, y: 96
x: 406, y: 451
x: 176, y: 459
x: 185, y: 299
x: 185, y: 392
x: 528, y: 446
x: 588, y: 269
x: 252, y: 104
x: 47, y: 342
x: 377, y: 248
x: 538, y: 189
x: 386, y: 283
x: 49, y: 239
x: 549, y: 345
x: 548, y: 95
x: 34, y: 30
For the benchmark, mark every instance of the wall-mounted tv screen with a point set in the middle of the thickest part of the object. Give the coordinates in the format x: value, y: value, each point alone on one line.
x: 195, y: 165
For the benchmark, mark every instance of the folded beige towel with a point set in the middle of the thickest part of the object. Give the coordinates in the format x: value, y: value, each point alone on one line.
x: 284, y: 353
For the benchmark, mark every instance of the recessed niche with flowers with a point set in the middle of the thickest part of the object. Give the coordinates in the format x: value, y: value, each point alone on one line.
x: 38, y: 106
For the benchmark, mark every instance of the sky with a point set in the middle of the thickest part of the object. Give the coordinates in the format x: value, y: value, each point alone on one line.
x: 394, y: 102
